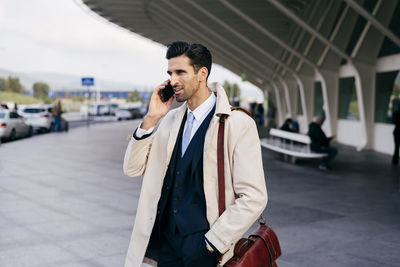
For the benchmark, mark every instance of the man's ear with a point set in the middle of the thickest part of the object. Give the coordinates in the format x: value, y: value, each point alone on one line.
x: 203, y: 73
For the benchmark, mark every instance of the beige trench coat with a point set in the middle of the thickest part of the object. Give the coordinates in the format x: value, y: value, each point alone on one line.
x: 245, y: 189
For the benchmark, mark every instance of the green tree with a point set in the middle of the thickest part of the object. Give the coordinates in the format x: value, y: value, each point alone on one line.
x: 396, y: 91
x: 227, y: 86
x: 236, y: 90
x: 3, y: 84
x: 134, y: 96
x: 40, y: 90
x: 14, y: 85
x: 232, y: 90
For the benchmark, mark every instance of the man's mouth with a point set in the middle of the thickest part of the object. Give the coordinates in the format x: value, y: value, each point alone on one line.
x: 177, y: 90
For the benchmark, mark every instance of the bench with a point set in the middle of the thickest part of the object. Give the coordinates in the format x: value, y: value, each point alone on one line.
x: 291, y: 144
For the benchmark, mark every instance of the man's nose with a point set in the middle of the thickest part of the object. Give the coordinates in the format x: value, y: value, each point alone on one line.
x: 174, y: 80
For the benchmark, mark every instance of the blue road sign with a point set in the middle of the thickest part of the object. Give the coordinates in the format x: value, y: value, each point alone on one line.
x: 87, y: 81
x: 50, y: 94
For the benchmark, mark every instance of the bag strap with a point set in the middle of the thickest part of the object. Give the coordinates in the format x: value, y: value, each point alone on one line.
x: 220, y: 158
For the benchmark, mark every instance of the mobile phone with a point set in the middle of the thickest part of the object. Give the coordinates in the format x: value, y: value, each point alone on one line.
x: 167, y: 92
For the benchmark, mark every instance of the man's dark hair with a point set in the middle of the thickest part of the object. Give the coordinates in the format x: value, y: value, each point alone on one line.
x: 198, y: 54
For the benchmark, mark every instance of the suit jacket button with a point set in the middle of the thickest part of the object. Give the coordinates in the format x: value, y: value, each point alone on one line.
x: 175, y: 210
x: 178, y: 172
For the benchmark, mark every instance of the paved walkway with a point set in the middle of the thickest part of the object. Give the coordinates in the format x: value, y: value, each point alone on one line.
x: 64, y: 201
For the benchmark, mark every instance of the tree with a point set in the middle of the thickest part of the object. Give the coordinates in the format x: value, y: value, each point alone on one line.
x: 227, y: 86
x: 236, y: 90
x: 396, y: 91
x: 134, y: 96
x: 232, y: 90
x: 40, y: 90
x: 14, y: 85
x: 3, y: 84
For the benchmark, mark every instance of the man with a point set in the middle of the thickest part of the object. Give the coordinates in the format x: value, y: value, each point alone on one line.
x: 56, y: 111
x: 177, y: 221
x: 320, y: 143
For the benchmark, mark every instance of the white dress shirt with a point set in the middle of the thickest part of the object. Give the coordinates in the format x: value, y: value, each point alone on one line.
x: 200, y: 113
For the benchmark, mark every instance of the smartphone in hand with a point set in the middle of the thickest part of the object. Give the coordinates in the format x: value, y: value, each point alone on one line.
x: 167, y: 92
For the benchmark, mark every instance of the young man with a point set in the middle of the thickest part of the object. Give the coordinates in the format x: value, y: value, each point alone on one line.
x: 177, y: 221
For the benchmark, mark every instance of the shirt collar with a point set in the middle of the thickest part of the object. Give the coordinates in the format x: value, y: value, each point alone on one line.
x: 204, y: 108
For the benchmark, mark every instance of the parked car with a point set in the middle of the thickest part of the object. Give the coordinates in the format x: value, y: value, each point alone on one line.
x: 39, y: 117
x: 123, y: 114
x: 102, y: 109
x: 13, y: 126
x: 136, y: 113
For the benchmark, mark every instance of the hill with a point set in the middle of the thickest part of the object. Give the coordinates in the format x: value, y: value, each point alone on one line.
x: 65, y: 82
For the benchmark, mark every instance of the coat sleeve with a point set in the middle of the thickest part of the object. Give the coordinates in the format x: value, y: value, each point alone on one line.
x: 249, y: 186
x: 136, y: 156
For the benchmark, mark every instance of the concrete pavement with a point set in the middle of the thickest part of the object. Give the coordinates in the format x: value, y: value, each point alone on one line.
x: 64, y: 201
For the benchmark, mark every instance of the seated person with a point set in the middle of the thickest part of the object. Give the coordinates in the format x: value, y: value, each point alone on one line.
x: 295, y: 127
x: 287, y: 125
x: 320, y: 143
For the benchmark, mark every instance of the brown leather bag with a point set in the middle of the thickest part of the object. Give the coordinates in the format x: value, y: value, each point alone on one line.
x: 261, y: 248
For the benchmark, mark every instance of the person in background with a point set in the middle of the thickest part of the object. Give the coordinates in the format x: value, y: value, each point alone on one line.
x: 287, y: 125
x: 56, y: 111
x: 260, y: 114
x: 253, y: 110
x: 295, y: 127
x: 271, y: 117
x: 396, y: 136
x: 320, y: 143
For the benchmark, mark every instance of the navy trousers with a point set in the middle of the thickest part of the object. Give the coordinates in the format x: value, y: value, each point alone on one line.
x: 185, y: 251
x: 332, y: 152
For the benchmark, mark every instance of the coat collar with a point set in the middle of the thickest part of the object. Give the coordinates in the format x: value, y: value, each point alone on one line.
x: 222, y: 107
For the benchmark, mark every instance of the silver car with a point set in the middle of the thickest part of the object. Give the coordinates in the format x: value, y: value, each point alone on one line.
x: 13, y: 126
x: 39, y: 117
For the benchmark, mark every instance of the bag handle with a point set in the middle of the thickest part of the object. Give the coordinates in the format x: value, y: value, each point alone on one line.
x: 266, y: 246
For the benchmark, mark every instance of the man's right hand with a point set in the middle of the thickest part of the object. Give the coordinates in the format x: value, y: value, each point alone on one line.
x: 157, y: 108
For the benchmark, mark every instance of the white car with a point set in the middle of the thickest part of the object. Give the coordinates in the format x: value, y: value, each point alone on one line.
x: 13, y: 126
x: 102, y: 109
x: 39, y: 117
x: 123, y: 114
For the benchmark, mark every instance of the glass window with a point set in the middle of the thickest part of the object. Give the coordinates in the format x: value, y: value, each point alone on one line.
x: 387, y: 98
x: 2, y: 115
x: 388, y: 47
x: 318, y: 99
x: 348, y: 105
x: 299, y: 105
x: 33, y: 110
x: 13, y: 115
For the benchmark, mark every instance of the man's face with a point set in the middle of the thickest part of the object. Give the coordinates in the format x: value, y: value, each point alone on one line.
x: 184, y: 80
x: 320, y: 121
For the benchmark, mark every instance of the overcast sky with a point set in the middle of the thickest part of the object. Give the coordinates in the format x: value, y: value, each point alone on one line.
x: 58, y: 36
